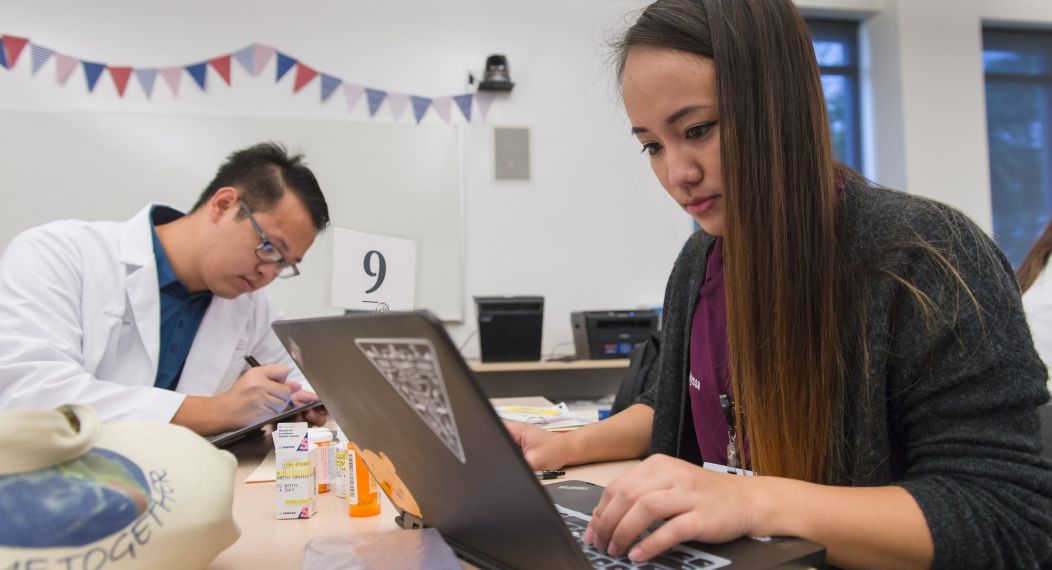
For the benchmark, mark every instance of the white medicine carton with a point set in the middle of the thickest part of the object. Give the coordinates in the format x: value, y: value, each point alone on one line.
x: 295, y: 463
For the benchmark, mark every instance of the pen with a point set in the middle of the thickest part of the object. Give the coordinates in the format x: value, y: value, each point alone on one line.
x: 549, y: 474
x: 251, y: 360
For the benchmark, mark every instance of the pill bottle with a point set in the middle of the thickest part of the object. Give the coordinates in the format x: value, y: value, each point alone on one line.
x: 339, y: 472
x: 363, y: 497
x: 322, y: 437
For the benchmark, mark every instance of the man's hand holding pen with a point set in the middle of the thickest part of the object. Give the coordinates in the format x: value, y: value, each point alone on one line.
x: 275, y: 387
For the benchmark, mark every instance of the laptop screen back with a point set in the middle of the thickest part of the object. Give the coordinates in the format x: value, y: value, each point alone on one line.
x: 401, y: 392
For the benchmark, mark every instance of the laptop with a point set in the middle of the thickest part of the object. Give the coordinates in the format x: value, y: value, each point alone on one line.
x: 398, y: 387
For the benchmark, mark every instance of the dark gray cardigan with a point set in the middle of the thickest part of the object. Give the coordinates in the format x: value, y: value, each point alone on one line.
x: 950, y: 410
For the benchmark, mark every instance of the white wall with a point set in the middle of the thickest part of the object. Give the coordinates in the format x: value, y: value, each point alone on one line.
x: 928, y: 113
x: 593, y: 229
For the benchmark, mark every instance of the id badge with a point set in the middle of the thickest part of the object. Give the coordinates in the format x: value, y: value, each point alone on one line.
x: 728, y: 470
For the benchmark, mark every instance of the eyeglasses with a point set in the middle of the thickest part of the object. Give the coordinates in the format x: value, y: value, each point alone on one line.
x: 267, y: 252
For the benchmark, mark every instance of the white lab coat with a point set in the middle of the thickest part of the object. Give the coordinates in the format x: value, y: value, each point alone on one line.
x: 1037, y: 302
x: 80, y: 324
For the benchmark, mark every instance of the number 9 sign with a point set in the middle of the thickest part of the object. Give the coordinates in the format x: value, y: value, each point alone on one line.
x: 372, y: 272
x: 381, y: 269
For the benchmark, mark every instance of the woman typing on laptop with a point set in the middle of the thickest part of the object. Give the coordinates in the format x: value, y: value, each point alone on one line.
x: 863, y: 351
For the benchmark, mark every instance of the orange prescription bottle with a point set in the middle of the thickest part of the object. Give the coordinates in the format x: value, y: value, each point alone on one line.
x: 363, y: 497
x: 323, y: 439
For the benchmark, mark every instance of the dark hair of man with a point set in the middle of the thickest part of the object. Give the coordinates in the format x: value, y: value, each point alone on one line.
x: 262, y: 174
x: 1035, y: 260
x: 785, y: 347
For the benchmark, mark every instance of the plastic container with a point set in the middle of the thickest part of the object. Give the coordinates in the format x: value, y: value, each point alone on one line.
x: 326, y: 457
x: 363, y: 496
x: 339, y: 472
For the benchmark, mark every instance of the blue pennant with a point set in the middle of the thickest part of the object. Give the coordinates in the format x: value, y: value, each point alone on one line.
x: 93, y: 71
x: 197, y: 71
x: 328, y: 85
x: 375, y: 97
x: 464, y: 103
x: 285, y: 63
x: 420, y: 106
x: 3, y: 56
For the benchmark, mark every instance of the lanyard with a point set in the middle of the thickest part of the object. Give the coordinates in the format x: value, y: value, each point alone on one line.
x: 728, y: 406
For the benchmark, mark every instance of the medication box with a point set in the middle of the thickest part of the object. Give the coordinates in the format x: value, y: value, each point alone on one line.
x: 295, y: 462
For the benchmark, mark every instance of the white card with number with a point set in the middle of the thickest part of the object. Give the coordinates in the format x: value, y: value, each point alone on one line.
x: 372, y: 272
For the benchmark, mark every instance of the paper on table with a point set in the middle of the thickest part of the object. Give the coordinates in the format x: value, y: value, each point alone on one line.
x: 266, y: 471
x: 556, y: 417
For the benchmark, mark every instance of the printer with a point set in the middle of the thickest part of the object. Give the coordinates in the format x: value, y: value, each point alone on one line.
x: 611, y: 334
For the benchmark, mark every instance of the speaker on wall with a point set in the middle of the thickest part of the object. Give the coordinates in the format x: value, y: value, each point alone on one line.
x: 511, y: 153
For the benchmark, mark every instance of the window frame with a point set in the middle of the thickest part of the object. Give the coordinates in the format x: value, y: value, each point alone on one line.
x: 846, y: 32
x: 1014, y: 39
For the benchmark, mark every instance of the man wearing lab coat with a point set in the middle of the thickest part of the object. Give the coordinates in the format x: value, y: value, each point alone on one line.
x: 152, y: 318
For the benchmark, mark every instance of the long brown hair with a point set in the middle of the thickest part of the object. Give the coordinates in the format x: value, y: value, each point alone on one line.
x: 1035, y: 260
x: 785, y: 275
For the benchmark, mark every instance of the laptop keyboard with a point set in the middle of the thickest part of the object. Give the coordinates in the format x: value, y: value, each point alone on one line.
x: 678, y: 557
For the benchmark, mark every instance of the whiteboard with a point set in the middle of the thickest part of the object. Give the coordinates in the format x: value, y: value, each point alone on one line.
x: 401, y: 180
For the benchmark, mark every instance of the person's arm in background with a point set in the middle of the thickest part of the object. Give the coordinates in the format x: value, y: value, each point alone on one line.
x: 1037, y: 302
x: 625, y: 435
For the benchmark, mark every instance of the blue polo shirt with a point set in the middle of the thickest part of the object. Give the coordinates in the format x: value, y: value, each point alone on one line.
x: 181, y: 311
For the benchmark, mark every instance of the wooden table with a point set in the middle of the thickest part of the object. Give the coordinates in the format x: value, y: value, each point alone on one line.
x: 267, y: 542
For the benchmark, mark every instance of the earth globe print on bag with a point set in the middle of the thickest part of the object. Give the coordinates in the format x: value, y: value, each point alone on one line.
x: 77, y: 493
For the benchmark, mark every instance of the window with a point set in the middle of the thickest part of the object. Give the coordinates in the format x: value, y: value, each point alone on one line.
x: 836, y: 48
x: 1018, y: 67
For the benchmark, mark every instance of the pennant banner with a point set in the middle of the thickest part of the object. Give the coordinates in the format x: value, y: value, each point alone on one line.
x: 442, y: 106
x: 13, y: 46
x: 375, y: 98
x: 483, y: 98
x: 397, y: 102
x: 92, y: 71
x: 261, y: 56
x: 199, y: 71
x: 120, y: 77
x: 39, y: 55
x: 353, y: 93
x: 328, y: 86
x: 285, y: 63
x: 252, y: 60
x: 244, y: 58
x: 146, y: 79
x: 464, y: 104
x: 222, y: 67
x: 172, y: 76
x: 420, y: 106
x: 64, y: 67
x: 304, y: 75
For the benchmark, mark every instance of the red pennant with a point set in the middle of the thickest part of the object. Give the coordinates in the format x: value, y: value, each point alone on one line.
x: 222, y: 67
x: 304, y: 75
x: 120, y: 77
x: 14, y: 46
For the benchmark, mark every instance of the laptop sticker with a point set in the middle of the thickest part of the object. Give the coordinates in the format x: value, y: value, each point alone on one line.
x: 385, y: 473
x: 411, y: 367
